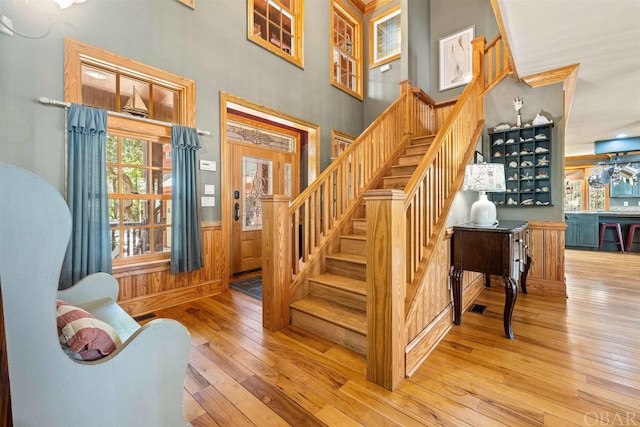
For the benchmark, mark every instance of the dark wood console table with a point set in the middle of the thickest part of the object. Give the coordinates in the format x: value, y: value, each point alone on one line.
x: 500, y: 250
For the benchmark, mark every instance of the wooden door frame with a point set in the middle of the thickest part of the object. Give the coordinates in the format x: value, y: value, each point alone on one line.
x: 313, y: 160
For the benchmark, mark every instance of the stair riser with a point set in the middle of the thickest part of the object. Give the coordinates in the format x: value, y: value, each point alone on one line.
x: 416, y: 150
x: 346, y: 268
x: 360, y: 227
x: 338, y: 296
x: 330, y: 331
x: 395, y: 182
x: 410, y: 160
x: 403, y: 170
x: 353, y: 246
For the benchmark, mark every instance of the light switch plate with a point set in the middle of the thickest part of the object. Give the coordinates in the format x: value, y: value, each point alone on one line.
x: 209, y: 189
x: 208, y: 201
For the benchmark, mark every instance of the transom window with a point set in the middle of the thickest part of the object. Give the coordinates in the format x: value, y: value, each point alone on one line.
x: 346, y: 47
x: 138, y: 151
x: 385, y: 38
x: 277, y: 26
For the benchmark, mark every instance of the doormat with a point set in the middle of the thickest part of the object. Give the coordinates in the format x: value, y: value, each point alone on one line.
x: 251, y: 286
x: 477, y: 308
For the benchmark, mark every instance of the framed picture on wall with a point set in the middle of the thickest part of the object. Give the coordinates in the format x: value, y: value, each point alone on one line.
x: 456, y: 58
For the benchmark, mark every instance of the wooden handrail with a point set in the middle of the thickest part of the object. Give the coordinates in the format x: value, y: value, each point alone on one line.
x: 320, y: 213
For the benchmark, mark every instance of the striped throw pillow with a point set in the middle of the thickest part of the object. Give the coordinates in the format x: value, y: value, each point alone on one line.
x: 87, y: 337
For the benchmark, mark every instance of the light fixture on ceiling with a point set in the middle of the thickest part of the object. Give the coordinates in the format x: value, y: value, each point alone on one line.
x: 621, y: 135
x: 67, y: 3
x: 614, y: 171
x: 484, y: 177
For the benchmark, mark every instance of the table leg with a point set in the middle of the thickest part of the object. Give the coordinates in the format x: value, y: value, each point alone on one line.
x: 456, y: 287
x: 523, y: 275
x: 510, y: 296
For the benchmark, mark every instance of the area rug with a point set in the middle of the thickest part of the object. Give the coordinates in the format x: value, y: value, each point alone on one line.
x: 251, y: 286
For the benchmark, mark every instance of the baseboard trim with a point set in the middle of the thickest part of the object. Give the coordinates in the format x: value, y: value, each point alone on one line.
x: 148, y: 303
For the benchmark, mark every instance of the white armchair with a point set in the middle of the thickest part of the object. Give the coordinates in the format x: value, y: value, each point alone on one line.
x: 140, y: 384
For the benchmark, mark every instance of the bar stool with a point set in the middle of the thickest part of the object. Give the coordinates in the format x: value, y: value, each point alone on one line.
x: 632, y: 229
x: 616, y: 225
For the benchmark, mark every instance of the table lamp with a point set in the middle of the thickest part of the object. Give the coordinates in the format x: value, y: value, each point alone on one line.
x: 484, y: 177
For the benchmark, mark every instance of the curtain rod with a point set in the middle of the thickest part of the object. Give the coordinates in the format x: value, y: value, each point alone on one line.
x: 50, y: 101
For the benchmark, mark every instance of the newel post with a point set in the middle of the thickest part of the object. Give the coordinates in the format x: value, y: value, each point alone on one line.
x: 386, y: 286
x: 276, y: 262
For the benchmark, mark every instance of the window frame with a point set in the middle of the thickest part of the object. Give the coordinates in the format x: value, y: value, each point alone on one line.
x: 338, y: 8
x: 373, y: 44
x: 75, y: 55
x: 585, y: 171
x: 296, y: 11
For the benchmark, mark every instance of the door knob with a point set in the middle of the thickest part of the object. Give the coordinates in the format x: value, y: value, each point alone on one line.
x: 236, y: 209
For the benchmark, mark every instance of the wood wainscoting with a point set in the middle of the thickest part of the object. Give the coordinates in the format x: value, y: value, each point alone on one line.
x: 429, y: 321
x: 546, y: 274
x: 148, y: 287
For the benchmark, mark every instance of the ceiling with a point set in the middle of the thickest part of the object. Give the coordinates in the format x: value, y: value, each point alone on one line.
x: 603, y: 36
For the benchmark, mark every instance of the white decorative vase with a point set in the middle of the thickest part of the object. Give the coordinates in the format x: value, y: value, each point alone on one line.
x: 483, y: 211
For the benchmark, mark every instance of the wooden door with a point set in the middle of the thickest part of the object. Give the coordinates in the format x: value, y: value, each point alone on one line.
x: 256, y: 172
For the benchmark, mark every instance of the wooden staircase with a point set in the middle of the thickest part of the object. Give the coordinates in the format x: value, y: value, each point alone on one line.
x: 336, y: 305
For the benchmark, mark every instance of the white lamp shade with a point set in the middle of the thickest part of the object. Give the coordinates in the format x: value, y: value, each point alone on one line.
x: 484, y: 177
x: 483, y: 212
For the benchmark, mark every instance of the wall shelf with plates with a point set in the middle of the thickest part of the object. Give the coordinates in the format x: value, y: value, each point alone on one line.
x: 525, y: 153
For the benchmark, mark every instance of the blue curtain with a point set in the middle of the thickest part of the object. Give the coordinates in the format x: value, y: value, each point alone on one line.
x: 89, y: 249
x: 186, y: 235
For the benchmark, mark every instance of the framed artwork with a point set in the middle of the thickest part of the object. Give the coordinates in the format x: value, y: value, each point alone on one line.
x: 456, y: 58
x: 384, y: 36
x: 190, y: 3
x: 478, y: 157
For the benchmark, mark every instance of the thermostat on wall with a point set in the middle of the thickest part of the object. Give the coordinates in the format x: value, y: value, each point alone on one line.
x: 208, y: 165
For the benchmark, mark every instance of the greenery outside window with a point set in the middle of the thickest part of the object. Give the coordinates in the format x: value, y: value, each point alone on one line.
x: 277, y: 25
x: 138, y: 151
x: 385, y: 38
x: 346, y: 50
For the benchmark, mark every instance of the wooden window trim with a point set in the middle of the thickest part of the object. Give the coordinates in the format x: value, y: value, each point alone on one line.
x: 297, y: 55
x: 75, y: 55
x: 340, y: 9
x: 372, y: 38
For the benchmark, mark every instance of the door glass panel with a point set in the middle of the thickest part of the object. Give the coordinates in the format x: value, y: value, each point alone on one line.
x: 257, y: 178
x: 287, y: 179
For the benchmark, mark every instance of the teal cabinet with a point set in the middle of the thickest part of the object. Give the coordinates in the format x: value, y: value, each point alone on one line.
x: 526, y: 155
x: 582, y: 231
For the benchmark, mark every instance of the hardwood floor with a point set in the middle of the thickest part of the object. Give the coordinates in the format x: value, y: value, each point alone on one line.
x: 574, y: 361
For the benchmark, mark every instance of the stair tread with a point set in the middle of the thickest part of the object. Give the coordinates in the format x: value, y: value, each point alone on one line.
x: 358, y: 259
x: 354, y: 320
x: 341, y: 282
x: 354, y: 236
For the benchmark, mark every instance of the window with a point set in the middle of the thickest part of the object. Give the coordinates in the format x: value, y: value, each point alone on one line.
x: 346, y: 50
x: 579, y: 195
x: 277, y: 25
x: 384, y: 38
x: 138, y: 151
x: 339, y: 142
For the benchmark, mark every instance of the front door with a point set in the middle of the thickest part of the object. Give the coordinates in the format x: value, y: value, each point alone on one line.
x: 257, y: 171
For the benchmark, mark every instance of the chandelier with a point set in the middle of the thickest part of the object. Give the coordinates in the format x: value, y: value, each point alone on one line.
x: 615, y: 171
